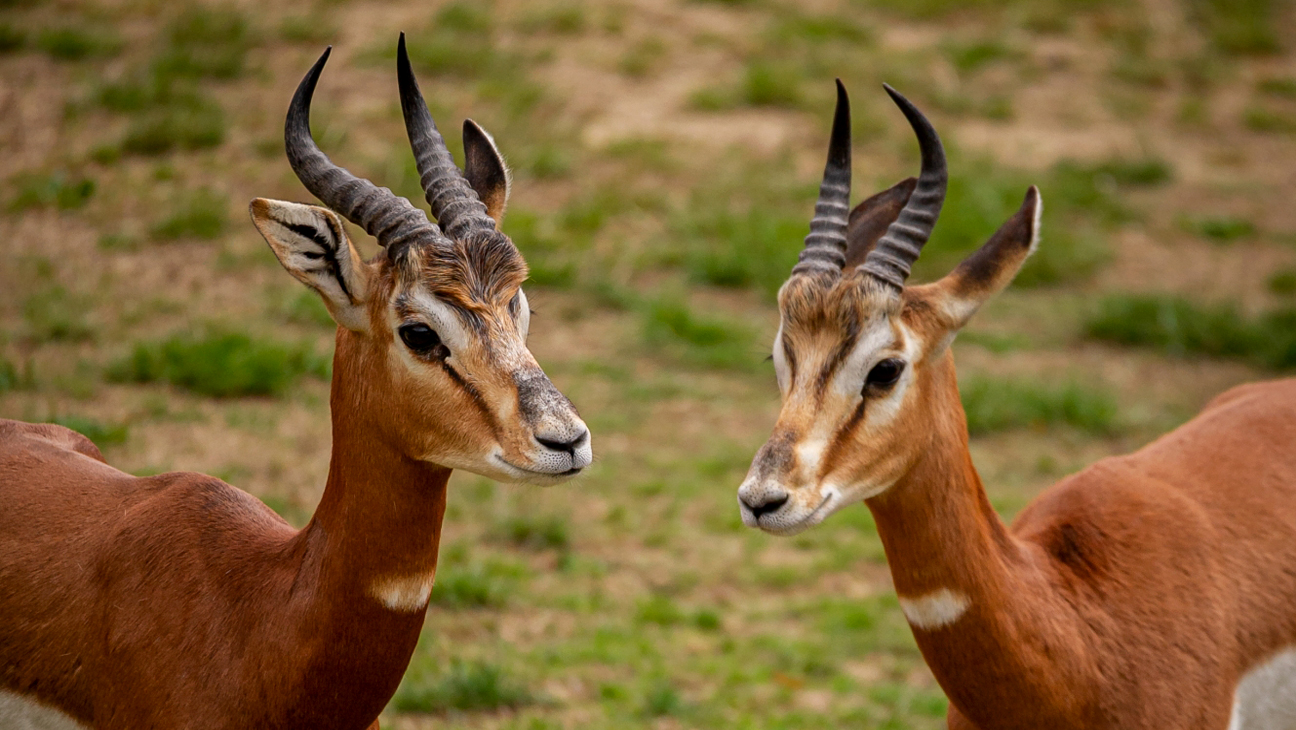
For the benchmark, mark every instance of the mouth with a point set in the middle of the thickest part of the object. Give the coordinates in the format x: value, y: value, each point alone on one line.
x: 811, y: 519
x: 533, y: 474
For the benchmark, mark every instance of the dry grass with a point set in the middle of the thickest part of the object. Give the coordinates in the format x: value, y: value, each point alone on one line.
x: 666, y: 152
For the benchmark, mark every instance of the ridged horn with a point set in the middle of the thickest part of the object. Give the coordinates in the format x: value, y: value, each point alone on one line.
x: 454, y: 203
x: 391, y: 219
x: 896, y: 251
x: 825, y: 246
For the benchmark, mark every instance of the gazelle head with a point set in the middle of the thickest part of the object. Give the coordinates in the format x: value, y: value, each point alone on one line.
x: 862, y: 360
x: 431, y: 347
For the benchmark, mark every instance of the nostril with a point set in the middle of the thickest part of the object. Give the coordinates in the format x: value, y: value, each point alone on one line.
x: 771, y: 506
x: 567, y: 446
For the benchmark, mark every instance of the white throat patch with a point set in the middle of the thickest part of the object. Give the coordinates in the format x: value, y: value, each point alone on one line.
x: 405, y: 593
x: 20, y: 713
x: 936, y: 609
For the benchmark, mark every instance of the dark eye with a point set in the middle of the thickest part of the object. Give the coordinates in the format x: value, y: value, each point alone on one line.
x: 884, y: 374
x: 423, y: 340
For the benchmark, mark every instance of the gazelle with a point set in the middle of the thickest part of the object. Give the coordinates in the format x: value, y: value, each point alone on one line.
x: 178, y: 601
x: 1154, y: 590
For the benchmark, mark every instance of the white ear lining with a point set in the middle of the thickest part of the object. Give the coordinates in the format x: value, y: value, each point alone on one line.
x: 312, y: 245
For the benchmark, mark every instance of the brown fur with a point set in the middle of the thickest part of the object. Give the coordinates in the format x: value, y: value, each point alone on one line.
x: 1134, y: 594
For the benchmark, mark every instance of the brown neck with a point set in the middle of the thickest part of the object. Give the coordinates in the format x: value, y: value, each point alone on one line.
x: 379, y: 519
x: 941, y: 534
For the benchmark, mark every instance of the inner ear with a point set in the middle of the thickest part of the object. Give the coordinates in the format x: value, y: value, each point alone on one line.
x: 871, y: 218
x: 485, y: 169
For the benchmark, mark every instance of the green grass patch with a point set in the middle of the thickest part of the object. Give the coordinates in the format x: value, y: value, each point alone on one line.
x: 465, y: 686
x: 1219, y: 229
x: 199, y: 214
x: 1178, y: 327
x: 643, y: 58
x: 1263, y: 119
x: 1283, y: 282
x: 55, y: 314
x: 1280, y: 86
x: 534, y: 532
x: 220, y: 363
x: 56, y: 189
x: 1001, y: 405
x: 11, y: 38
x: 306, y: 29
x: 78, y: 44
x: 102, y: 434
x: 971, y: 56
x: 459, y: 42
x: 464, y: 584
x: 671, y: 327
x: 1241, y: 27
x: 205, y: 42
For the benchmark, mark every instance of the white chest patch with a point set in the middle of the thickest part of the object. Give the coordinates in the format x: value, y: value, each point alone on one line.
x: 1265, y: 698
x: 934, y: 610
x: 406, y: 593
x: 19, y: 713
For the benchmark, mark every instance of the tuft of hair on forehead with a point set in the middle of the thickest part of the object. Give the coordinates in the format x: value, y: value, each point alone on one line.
x: 482, y: 271
x: 815, y: 302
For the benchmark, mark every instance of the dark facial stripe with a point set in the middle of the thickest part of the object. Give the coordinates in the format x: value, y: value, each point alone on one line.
x: 473, y: 393
x: 850, y: 336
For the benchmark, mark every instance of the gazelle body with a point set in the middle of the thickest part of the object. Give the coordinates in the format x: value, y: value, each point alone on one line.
x: 178, y: 601
x: 1154, y: 590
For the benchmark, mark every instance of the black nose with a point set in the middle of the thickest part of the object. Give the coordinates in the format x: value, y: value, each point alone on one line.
x: 772, y: 505
x: 564, y: 446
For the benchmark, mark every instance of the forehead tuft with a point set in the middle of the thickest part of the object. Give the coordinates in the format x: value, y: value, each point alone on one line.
x: 483, y: 271
x: 811, y: 304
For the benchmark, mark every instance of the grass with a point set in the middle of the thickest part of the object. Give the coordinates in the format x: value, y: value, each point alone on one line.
x: 1178, y: 327
x: 1283, y: 282
x: 466, y: 687
x: 1263, y: 119
x: 56, y: 189
x: 1241, y: 27
x: 199, y: 214
x: 534, y: 532
x: 102, y: 434
x: 219, y: 363
x: 11, y: 39
x: 672, y: 328
x: 55, y: 314
x: 1220, y: 229
x: 458, y: 42
x: 1001, y: 405
x: 71, y: 43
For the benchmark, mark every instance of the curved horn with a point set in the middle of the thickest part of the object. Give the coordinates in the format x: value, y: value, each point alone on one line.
x: 894, y: 255
x: 393, y: 220
x: 454, y: 204
x: 825, y: 247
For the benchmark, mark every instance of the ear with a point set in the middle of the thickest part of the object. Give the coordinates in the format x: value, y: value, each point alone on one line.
x: 485, y: 169
x: 870, y: 219
x: 991, y: 268
x: 313, y: 246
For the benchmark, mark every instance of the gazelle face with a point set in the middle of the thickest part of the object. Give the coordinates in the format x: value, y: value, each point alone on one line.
x: 431, y: 348
x: 848, y: 367
x: 470, y: 393
x: 862, y: 360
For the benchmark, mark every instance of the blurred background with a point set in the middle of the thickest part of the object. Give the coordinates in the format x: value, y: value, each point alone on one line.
x: 666, y: 155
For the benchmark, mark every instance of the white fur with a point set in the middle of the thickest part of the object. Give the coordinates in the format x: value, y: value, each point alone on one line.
x: 939, y: 608
x: 20, y: 713
x: 404, y: 593
x: 1265, y: 698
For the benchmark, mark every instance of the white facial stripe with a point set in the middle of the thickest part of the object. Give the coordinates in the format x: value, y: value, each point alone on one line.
x: 934, y: 610
x: 442, y: 318
x: 882, y: 411
x: 524, y: 315
x: 780, y: 361
x: 404, y: 593
x: 869, y: 350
